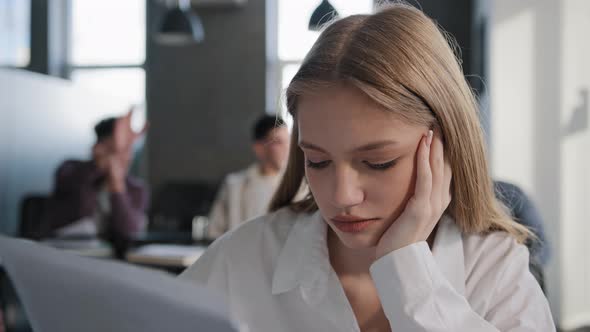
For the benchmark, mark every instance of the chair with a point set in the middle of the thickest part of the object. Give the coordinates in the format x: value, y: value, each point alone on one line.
x: 172, y: 210
x: 523, y: 211
x: 31, y: 214
x: 175, y: 205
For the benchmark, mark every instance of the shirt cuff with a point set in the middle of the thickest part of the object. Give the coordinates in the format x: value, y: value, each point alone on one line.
x: 404, y: 276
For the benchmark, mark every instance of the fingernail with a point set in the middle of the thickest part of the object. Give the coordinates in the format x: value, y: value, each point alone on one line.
x: 429, y: 137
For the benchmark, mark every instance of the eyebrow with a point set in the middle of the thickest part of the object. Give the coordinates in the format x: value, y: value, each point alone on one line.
x: 366, y: 147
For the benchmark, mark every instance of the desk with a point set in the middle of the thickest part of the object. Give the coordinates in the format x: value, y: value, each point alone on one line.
x: 84, y: 247
x: 166, y: 256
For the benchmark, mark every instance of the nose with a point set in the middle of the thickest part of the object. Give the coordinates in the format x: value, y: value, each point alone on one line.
x: 346, y: 188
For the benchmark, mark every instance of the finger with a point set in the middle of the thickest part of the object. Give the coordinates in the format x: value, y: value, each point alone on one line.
x: 423, y: 172
x: 125, y: 120
x: 120, y: 125
x: 448, y: 177
x: 130, y: 111
x: 437, y: 168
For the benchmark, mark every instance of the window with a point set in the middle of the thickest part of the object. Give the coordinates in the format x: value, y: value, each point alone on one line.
x: 294, y: 37
x: 15, y: 33
x: 108, y: 49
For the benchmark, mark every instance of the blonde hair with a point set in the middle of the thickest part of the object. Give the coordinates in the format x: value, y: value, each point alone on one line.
x: 401, y: 60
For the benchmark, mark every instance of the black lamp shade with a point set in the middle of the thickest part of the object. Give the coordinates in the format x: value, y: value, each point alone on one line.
x: 323, y: 14
x: 181, y: 26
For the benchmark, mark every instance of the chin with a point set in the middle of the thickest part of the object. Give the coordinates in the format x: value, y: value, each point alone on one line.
x: 357, y: 240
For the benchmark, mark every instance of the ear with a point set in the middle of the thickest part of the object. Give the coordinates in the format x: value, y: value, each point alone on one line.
x: 98, y: 150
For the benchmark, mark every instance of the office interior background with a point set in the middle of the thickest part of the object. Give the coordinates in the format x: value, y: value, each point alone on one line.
x: 65, y: 64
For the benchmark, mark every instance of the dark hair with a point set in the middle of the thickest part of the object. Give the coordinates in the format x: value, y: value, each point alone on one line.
x: 264, y: 125
x: 104, y: 129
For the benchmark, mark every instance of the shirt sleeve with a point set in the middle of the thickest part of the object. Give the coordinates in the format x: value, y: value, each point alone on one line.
x: 128, y: 212
x: 416, y: 296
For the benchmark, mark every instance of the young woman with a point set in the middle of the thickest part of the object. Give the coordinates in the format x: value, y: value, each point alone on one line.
x: 401, y: 230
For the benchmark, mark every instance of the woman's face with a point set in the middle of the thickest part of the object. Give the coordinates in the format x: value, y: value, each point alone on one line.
x: 360, y: 162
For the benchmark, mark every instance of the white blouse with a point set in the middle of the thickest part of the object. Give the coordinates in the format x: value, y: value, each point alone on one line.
x: 276, y: 275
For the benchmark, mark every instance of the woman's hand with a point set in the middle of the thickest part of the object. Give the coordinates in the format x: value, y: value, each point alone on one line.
x: 431, y: 198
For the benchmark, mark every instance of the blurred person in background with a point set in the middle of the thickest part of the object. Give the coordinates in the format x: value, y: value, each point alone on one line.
x: 98, y: 197
x: 247, y: 194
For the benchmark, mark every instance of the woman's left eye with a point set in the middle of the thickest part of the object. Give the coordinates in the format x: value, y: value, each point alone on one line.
x: 380, y: 166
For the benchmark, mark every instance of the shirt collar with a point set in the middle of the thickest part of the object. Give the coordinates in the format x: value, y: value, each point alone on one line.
x: 304, y: 260
x: 304, y: 257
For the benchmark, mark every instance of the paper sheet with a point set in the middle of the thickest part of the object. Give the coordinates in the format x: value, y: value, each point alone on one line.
x: 166, y: 254
x: 83, y: 227
x: 64, y: 292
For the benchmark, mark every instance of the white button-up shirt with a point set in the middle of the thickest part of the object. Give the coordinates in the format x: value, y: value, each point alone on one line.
x: 276, y: 275
x: 243, y: 195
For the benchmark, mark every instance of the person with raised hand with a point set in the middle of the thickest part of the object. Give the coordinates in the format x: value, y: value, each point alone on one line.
x: 98, y: 197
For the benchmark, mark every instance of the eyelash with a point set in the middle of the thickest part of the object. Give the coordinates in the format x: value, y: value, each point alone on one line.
x: 378, y: 167
x: 382, y: 166
x: 320, y: 165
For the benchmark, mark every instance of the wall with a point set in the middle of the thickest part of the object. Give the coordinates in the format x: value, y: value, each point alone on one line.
x: 575, y: 144
x: 540, y: 78
x: 202, y: 99
x: 43, y: 120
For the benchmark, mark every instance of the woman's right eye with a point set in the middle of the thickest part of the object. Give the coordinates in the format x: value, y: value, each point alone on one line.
x: 318, y: 165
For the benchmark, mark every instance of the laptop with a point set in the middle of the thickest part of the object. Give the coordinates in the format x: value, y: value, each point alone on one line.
x: 61, y: 291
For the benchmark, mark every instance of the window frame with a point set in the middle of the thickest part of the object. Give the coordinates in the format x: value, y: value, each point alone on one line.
x: 70, y: 66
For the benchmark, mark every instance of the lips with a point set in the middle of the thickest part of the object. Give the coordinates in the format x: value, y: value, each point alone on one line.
x: 352, y: 224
